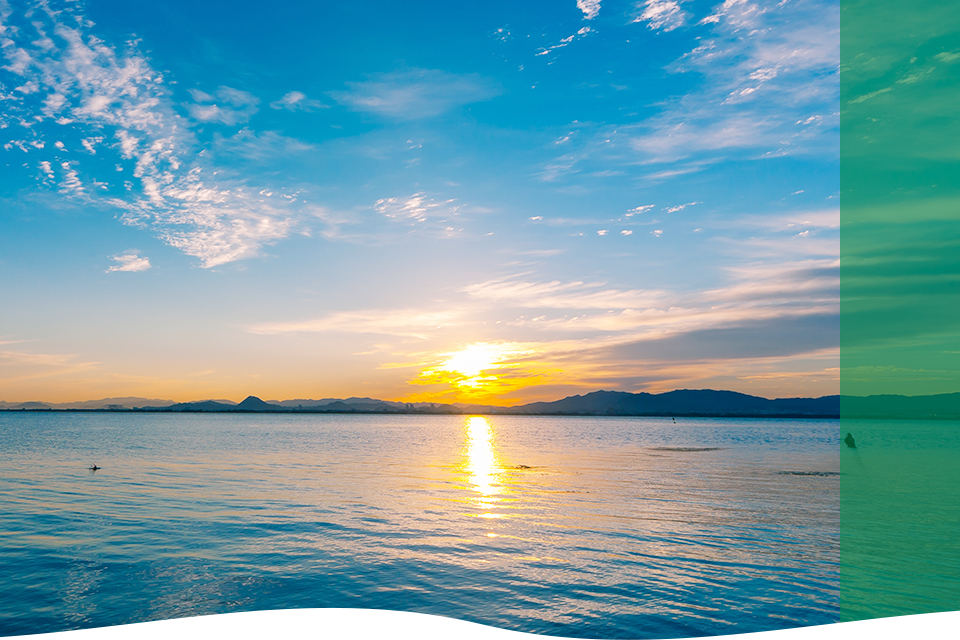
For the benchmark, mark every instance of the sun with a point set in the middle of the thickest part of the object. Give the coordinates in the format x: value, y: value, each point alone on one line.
x: 474, y: 359
x: 482, y: 371
x: 474, y: 367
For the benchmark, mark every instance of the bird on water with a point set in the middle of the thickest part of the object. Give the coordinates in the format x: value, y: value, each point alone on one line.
x: 850, y: 441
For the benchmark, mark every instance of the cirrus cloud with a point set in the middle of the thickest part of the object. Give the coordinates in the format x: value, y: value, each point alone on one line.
x: 416, y: 93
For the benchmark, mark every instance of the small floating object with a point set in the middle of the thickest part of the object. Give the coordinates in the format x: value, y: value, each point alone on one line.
x: 95, y: 468
x: 850, y: 441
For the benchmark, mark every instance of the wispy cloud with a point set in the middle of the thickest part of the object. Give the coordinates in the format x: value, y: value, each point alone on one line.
x: 130, y: 261
x: 415, y: 207
x: 661, y: 15
x: 416, y: 93
x: 19, y: 367
x: 765, y: 84
x: 226, y: 106
x: 76, y: 82
x: 590, y: 8
x: 680, y: 207
x: 262, y: 145
x: 297, y: 101
x: 561, y: 295
x: 581, y: 33
x: 408, y: 323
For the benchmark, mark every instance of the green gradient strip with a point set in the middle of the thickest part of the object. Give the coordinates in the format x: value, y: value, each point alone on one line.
x: 900, y: 303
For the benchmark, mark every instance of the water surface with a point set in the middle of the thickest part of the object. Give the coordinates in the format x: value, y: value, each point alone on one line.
x: 572, y: 526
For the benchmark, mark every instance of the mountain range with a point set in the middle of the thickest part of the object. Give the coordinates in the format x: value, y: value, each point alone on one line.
x: 684, y: 402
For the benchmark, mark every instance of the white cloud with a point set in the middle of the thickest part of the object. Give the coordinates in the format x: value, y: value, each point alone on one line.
x: 680, y: 207
x: 583, y: 32
x: 590, y: 8
x: 297, y: 101
x: 641, y: 209
x: 90, y: 143
x: 227, y: 106
x: 119, y: 104
x: 414, y: 207
x: 738, y: 13
x: 129, y: 262
x: 417, y: 93
x: 662, y: 15
x: 71, y: 180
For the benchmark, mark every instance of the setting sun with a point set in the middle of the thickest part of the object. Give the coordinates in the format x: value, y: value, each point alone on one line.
x: 471, y: 367
x: 474, y: 360
x: 482, y: 371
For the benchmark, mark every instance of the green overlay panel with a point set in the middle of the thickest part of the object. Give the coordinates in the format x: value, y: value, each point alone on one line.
x: 900, y: 303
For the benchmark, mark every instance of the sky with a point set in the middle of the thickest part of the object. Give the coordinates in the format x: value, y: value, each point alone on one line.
x: 433, y: 201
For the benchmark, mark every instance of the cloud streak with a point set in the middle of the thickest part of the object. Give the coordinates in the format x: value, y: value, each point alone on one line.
x: 416, y: 93
x: 297, y: 101
x: 129, y: 262
x: 227, y: 106
x: 406, y: 323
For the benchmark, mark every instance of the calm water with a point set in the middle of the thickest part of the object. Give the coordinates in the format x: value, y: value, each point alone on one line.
x: 586, y: 527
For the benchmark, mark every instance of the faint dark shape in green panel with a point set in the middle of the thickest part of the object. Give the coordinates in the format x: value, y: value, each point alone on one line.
x: 900, y: 303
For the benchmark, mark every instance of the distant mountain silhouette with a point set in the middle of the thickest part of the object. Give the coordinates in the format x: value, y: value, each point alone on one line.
x: 253, y: 403
x: 127, y: 402
x: 206, y: 405
x: 27, y: 406
x: 684, y: 402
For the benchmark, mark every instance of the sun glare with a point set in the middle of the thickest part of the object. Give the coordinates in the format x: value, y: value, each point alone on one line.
x: 474, y: 360
x: 482, y: 371
x: 472, y: 367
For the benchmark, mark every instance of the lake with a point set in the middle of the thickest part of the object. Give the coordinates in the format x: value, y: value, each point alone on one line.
x: 570, y: 526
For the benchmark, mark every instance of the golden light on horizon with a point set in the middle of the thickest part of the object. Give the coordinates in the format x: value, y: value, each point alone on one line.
x: 481, y: 370
x: 470, y: 363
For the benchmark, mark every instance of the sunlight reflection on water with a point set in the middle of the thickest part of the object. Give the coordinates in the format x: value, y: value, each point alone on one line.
x: 482, y: 465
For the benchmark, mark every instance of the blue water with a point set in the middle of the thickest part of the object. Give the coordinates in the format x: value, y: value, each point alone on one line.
x: 580, y: 527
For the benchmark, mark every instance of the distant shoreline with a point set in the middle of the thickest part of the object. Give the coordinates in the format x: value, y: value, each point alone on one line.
x: 433, y: 413
x: 681, y: 403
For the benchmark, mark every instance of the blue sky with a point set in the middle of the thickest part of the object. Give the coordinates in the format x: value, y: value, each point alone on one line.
x: 487, y: 202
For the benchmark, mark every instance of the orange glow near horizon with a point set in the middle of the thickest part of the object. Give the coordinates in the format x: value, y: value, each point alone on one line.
x: 480, y: 372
